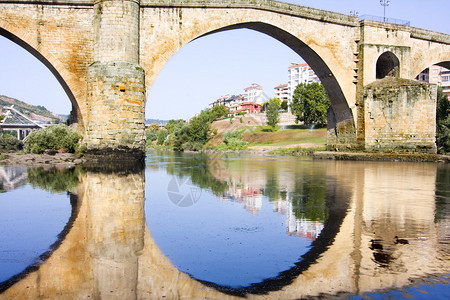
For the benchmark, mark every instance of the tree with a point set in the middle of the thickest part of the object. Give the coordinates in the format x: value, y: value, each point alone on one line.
x: 153, y: 127
x: 199, y: 127
x: 272, y: 113
x: 442, y: 122
x: 162, y: 134
x: 219, y: 111
x: 310, y: 103
x: 284, y: 105
x: 171, y: 124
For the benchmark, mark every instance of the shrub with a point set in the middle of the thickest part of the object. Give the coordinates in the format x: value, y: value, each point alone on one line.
x: 9, y: 142
x: 232, y: 140
x: 56, y: 137
x: 443, y: 136
x: 162, y: 134
x: 151, y: 135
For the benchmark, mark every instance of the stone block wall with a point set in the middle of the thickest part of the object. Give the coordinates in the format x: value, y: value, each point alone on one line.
x: 340, y: 135
x: 115, y: 106
x: 399, y: 115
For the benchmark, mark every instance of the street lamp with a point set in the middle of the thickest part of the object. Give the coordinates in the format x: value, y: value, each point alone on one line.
x: 385, y: 3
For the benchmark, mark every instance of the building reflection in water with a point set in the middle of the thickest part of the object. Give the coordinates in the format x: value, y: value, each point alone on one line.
x: 109, y: 252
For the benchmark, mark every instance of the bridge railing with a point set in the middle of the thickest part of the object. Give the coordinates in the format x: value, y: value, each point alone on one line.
x: 386, y: 20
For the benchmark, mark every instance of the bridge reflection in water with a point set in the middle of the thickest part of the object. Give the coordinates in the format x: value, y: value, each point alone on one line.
x: 109, y: 252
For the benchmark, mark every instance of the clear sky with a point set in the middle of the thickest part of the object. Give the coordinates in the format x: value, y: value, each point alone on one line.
x: 209, y: 67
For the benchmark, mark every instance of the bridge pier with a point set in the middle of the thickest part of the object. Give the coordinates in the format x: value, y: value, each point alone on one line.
x: 116, y: 83
x: 116, y: 108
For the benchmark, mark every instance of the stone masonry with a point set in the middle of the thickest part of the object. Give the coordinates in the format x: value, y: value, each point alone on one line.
x: 107, y: 53
x: 399, y: 115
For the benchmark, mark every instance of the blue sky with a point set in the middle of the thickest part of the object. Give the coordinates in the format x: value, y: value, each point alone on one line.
x: 209, y: 67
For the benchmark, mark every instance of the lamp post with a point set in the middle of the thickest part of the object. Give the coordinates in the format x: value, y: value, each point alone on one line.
x: 385, y: 3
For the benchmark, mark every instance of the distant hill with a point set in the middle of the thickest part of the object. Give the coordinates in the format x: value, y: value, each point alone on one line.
x: 157, y: 121
x: 38, y: 113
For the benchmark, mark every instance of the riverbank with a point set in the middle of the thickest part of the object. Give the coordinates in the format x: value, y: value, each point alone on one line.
x: 331, y: 155
x: 375, y: 156
x: 49, y: 159
x: 68, y: 160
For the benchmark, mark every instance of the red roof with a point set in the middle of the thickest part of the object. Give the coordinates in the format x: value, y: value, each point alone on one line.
x: 253, y: 86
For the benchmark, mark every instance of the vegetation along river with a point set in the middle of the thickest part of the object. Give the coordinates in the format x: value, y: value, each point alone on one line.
x: 226, y: 226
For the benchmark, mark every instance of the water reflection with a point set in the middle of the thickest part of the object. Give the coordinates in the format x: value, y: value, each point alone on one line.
x: 109, y: 252
x: 26, y: 209
x: 241, y: 253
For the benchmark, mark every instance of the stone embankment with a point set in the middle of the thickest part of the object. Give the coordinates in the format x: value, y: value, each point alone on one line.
x: 381, y: 156
x: 48, y: 159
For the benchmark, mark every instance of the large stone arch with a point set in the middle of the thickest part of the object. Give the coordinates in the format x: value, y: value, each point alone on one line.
x: 67, y: 80
x: 323, y: 53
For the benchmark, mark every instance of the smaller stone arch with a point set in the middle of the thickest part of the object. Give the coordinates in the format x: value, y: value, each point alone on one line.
x: 387, y: 65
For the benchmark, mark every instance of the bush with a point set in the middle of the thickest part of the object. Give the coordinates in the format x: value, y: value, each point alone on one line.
x: 162, y: 134
x: 442, y: 123
x: 151, y: 135
x: 443, y: 136
x: 9, y: 142
x: 232, y: 140
x: 56, y: 137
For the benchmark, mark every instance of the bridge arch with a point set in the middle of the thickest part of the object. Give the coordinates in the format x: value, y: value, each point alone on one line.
x: 429, y: 59
x: 387, y: 64
x: 328, y: 67
x: 67, y: 81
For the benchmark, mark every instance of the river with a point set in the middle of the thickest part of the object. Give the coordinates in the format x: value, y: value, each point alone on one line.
x: 226, y: 226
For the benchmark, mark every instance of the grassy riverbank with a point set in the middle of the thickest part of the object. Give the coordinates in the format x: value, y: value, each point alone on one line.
x: 262, y: 138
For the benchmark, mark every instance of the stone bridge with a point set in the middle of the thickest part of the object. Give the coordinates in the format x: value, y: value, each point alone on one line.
x: 107, y: 53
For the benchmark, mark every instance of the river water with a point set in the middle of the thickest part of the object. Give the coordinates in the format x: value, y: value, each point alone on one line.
x: 223, y: 226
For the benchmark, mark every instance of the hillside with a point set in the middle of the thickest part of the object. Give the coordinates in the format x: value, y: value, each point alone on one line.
x: 39, y: 113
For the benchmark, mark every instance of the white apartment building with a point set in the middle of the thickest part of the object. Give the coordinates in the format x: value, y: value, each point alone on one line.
x: 299, y: 73
x: 254, y: 93
x: 282, y: 92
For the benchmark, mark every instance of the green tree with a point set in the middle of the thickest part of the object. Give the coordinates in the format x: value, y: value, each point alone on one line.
x: 153, y: 127
x: 199, y: 127
x: 151, y: 136
x: 162, y: 134
x: 181, y: 136
x: 272, y: 113
x: 284, y: 105
x: 442, y: 123
x: 171, y: 124
x: 219, y: 111
x: 310, y: 103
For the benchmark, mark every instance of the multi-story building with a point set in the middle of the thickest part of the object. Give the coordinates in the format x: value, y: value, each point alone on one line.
x: 254, y: 93
x: 228, y: 100
x: 436, y: 75
x: 445, y: 81
x: 282, y: 92
x: 299, y: 73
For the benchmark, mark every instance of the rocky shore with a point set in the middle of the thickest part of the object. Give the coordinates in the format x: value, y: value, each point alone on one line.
x: 48, y: 159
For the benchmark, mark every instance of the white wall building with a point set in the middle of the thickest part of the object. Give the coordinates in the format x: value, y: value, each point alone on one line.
x: 299, y: 73
x: 254, y: 93
x: 282, y: 92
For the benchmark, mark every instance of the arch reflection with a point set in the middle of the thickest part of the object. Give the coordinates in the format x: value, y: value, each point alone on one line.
x: 110, y: 253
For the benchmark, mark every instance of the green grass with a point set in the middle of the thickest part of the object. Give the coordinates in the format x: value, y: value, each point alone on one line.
x: 284, y: 137
x: 298, y: 151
